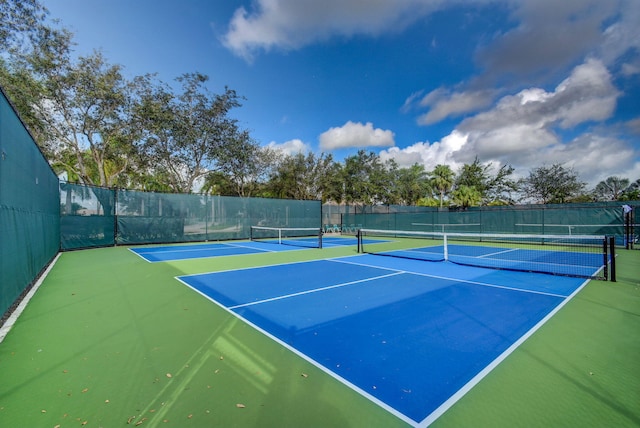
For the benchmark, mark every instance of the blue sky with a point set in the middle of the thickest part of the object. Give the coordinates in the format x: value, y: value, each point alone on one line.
x: 520, y: 82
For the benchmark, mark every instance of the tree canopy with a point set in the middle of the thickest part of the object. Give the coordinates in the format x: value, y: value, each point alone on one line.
x: 552, y: 184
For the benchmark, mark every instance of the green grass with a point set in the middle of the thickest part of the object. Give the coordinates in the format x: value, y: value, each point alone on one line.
x: 110, y: 339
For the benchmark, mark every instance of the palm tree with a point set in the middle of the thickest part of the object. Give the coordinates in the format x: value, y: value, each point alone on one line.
x: 442, y: 180
x: 466, y: 196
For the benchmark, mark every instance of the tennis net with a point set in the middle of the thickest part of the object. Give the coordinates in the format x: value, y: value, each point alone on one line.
x: 584, y: 256
x: 310, y: 237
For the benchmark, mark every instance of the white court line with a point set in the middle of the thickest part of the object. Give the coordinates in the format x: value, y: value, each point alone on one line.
x: 484, y: 372
x: 176, y: 249
x: 6, y: 327
x: 534, y: 263
x: 315, y: 290
x: 223, y: 247
x: 140, y: 255
x: 245, y: 268
x: 466, y: 281
x: 498, y: 252
x: 252, y: 248
x: 307, y: 358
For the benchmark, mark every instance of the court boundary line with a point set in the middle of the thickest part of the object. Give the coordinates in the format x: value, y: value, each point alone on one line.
x: 442, y: 409
x: 508, y: 250
x: 178, y: 245
x: 140, y: 255
x: 315, y: 290
x: 253, y: 267
x: 13, y: 318
x: 466, y: 281
x: 258, y: 251
x: 194, y: 258
x: 307, y: 358
x: 253, y: 248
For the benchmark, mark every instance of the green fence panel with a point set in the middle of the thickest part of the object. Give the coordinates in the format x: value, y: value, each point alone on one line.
x: 94, y: 217
x: 601, y: 218
x: 29, y: 209
x: 86, y: 216
x: 145, y: 217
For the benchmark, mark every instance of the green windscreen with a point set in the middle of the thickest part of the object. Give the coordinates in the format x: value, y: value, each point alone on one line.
x: 144, y: 217
x: 93, y: 216
x: 568, y: 219
x: 87, y: 216
x: 29, y: 208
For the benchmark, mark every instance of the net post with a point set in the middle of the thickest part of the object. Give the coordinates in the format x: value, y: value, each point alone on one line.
x: 250, y: 233
x: 115, y: 216
x: 627, y: 230
x: 605, y: 258
x: 612, y: 251
x: 320, y: 238
x: 279, y: 236
x: 446, y: 248
x: 359, y: 240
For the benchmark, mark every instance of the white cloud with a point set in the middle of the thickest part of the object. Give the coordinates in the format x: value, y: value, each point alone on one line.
x: 429, y: 154
x: 621, y: 36
x: 594, y: 157
x: 586, y: 95
x: 443, y: 103
x: 356, y: 135
x: 291, y: 147
x: 522, y: 131
x: 291, y: 24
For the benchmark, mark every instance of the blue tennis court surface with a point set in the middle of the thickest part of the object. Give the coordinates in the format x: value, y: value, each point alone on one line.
x: 409, y: 335
x: 166, y: 253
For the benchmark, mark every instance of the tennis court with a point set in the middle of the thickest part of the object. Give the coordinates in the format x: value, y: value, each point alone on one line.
x: 273, y: 241
x: 409, y: 335
x: 139, y: 346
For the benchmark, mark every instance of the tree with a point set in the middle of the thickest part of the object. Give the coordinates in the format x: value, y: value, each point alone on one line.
x: 631, y: 192
x: 428, y: 202
x: 474, y: 175
x: 302, y: 177
x: 20, y: 20
x: 491, y: 187
x: 466, y: 196
x: 442, y: 181
x: 78, y: 110
x: 244, y: 163
x: 217, y: 183
x: 185, y: 133
x: 554, y: 184
x: 611, y: 189
x: 410, y: 184
x: 365, y: 179
x: 24, y: 75
x: 502, y: 187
